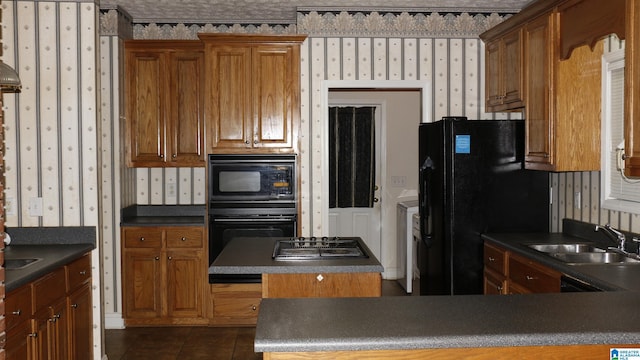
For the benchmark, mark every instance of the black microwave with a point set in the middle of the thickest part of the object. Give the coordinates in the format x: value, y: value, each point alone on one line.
x: 251, y: 178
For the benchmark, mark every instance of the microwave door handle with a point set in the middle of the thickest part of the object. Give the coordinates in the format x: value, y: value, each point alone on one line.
x: 425, y: 201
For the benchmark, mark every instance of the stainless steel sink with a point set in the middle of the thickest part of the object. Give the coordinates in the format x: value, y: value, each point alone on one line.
x: 596, y: 258
x: 565, y: 248
x: 17, y: 264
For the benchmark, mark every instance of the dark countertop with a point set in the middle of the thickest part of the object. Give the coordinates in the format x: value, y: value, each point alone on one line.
x: 608, y: 277
x: 163, y: 215
x: 253, y: 256
x: 56, y: 246
x: 423, y: 322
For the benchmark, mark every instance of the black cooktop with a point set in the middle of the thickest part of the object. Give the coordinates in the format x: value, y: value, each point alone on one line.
x: 318, y: 248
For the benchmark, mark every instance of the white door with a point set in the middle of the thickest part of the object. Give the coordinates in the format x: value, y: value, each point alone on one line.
x: 362, y: 222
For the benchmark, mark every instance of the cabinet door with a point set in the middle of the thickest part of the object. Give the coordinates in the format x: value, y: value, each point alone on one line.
x: 275, y: 95
x: 80, y: 324
x: 230, y: 122
x: 539, y: 108
x: 20, y: 342
x: 141, y: 273
x: 632, y: 88
x: 512, y: 69
x: 145, y: 96
x: 186, y: 108
x: 493, y: 77
x: 185, y: 283
x: 494, y: 284
x: 43, y: 335
x: 59, y: 324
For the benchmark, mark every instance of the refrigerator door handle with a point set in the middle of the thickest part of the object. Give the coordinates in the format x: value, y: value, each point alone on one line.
x: 425, y: 201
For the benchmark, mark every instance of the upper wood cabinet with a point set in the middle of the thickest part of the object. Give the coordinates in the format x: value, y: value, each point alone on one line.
x: 503, y: 77
x: 252, y: 92
x: 561, y: 74
x: 632, y: 89
x: 164, y: 103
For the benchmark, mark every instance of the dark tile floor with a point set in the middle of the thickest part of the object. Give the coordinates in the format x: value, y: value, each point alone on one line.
x: 192, y: 343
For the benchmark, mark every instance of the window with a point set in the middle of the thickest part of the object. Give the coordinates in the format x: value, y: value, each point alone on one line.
x: 617, y: 192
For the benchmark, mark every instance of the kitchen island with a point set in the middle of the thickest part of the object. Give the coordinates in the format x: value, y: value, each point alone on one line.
x: 567, y: 325
x: 330, y: 277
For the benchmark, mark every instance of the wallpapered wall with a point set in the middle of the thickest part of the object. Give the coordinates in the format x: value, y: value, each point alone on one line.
x: 58, y: 149
x: 51, y: 141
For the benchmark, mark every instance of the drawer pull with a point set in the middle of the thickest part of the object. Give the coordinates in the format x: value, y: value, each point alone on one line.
x: 157, y: 258
x: 83, y: 272
x: 142, y: 238
x: 320, y: 277
x: 253, y: 307
x: 33, y: 335
x: 492, y: 259
x: 75, y: 306
x: 184, y: 238
x: 17, y: 312
x: 529, y: 278
x: 170, y: 258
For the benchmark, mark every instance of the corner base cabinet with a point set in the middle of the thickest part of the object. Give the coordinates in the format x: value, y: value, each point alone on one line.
x: 52, y: 317
x: 163, y: 275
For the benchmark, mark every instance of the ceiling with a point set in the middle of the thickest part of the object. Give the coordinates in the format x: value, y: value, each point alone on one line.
x: 284, y: 11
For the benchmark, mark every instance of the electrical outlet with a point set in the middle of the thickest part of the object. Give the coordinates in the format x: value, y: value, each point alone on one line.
x: 35, y: 206
x: 171, y: 190
x: 9, y: 206
x: 399, y: 181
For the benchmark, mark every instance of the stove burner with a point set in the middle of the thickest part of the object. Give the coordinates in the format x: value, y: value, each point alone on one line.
x: 317, y: 248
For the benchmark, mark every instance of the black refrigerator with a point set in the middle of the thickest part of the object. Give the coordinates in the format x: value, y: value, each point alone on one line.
x: 472, y: 181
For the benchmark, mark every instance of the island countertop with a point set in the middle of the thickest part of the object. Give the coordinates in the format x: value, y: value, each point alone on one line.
x: 252, y: 255
x: 465, y: 321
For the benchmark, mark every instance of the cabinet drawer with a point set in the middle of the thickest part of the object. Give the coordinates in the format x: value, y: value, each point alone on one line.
x: 243, y: 308
x: 495, y: 258
x: 78, y: 272
x: 18, y: 306
x: 49, y: 288
x: 142, y: 238
x: 185, y: 238
x: 533, y: 276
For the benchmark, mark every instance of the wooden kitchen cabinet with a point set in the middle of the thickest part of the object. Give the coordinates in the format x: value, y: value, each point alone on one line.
x: 164, y: 103
x: 42, y: 321
x: 321, y: 285
x: 163, y: 274
x: 236, y: 304
x: 632, y: 88
x: 503, y: 72
x: 252, y: 92
x: 562, y: 112
x: 508, y: 273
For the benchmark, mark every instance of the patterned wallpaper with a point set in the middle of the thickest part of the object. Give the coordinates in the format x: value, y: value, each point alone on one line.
x: 51, y: 131
x: 63, y: 136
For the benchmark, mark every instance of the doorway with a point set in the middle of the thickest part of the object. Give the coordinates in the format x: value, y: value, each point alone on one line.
x: 397, y: 171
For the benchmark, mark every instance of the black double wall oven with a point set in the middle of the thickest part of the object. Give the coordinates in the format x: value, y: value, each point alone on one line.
x: 250, y: 196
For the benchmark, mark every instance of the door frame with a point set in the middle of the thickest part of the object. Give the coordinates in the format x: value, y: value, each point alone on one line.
x: 423, y: 86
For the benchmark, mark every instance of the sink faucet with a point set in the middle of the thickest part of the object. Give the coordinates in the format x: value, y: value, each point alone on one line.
x: 616, y: 235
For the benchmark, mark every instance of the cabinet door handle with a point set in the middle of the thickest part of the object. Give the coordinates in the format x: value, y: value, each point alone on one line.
x: 492, y: 259
x: 75, y: 306
x: 142, y: 239
x: 184, y: 238
x: 174, y: 156
x: 170, y: 258
x: 320, y: 277
x: 17, y: 312
x: 157, y: 258
x: 247, y: 142
x: 528, y: 277
x: 83, y: 272
x: 33, y: 335
x: 161, y: 156
x: 253, y: 307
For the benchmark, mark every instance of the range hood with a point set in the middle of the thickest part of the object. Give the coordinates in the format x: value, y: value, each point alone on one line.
x: 9, y: 80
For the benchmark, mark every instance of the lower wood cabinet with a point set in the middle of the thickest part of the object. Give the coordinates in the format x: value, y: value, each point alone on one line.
x: 508, y: 273
x: 235, y: 304
x: 321, y: 285
x: 164, y: 273
x: 43, y: 320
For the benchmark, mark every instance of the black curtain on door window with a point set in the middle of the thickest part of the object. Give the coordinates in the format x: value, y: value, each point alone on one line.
x: 351, y: 156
